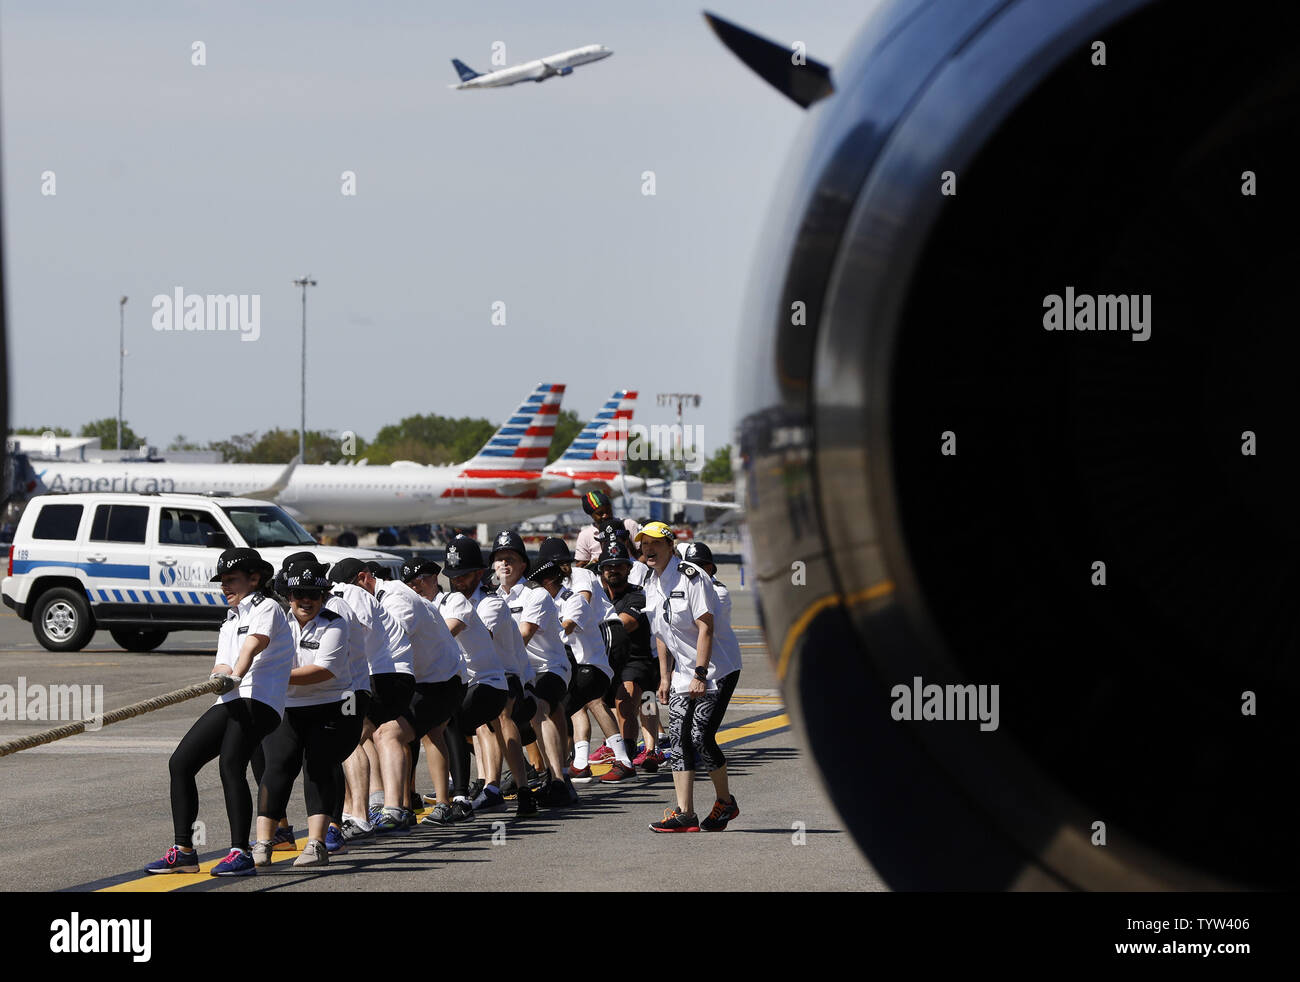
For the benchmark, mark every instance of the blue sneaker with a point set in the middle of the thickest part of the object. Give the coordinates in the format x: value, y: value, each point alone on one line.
x: 389, y: 820
x: 237, y: 863
x: 488, y: 800
x: 285, y: 840
x: 334, y: 843
x: 373, y: 816
x: 175, y: 861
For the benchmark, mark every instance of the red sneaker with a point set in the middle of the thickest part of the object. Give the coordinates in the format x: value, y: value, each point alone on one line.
x: 648, y: 760
x: 583, y: 776
x: 618, y: 771
x: 601, y: 755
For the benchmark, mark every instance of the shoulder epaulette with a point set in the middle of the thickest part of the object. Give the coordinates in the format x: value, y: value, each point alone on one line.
x: 258, y: 598
x: 688, y: 570
x: 329, y: 615
x: 566, y: 594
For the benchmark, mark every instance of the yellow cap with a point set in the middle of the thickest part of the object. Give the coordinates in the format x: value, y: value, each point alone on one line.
x: 654, y: 530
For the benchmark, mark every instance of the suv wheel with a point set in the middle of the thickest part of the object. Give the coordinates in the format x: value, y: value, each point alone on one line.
x: 62, y: 621
x: 137, y: 638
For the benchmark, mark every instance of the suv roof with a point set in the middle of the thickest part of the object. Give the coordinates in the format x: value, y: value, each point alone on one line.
x: 221, y: 496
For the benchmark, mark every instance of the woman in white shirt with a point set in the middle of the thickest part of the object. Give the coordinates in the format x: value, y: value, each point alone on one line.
x: 314, y: 735
x: 254, y: 658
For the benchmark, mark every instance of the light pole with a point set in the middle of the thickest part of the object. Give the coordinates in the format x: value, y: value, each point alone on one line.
x: 121, y: 364
x: 681, y: 398
x: 305, y: 282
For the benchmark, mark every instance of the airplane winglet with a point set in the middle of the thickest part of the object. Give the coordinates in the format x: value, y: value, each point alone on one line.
x: 272, y: 491
x: 772, y: 62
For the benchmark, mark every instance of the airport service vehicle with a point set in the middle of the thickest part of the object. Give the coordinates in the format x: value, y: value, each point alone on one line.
x: 538, y: 70
x: 140, y: 565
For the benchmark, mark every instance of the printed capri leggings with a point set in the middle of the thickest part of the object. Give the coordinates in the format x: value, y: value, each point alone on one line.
x: 693, y: 725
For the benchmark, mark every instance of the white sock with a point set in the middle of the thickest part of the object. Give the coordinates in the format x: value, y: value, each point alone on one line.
x: 376, y: 799
x: 580, y: 748
x: 615, y: 743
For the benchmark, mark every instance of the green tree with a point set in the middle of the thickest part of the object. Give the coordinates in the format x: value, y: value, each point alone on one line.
x: 717, y: 469
x: 445, y: 440
x: 40, y: 430
x: 638, y: 449
x: 179, y: 442
x: 106, y: 430
x: 279, y: 446
x: 567, y: 426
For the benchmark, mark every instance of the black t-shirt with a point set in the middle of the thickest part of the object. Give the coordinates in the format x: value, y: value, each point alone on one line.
x: 638, y: 641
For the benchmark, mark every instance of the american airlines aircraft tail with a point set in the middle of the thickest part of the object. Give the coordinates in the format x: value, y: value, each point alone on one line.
x: 594, y: 461
x: 523, y: 442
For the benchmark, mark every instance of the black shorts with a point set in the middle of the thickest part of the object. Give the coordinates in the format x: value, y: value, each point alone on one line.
x: 480, y: 704
x: 589, y: 683
x: 390, y: 695
x: 643, y: 671
x: 433, y: 704
x: 525, y: 707
x: 550, y: 688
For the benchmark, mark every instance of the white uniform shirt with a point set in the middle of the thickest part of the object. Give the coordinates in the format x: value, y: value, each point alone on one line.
x: 584, y: 579
x: 673, y: 602
x: 365, y: 608
x: 482, y: 663
x: 322, y: 641
x: 533, y: 605
x: 267, y: 677
x: 638, y: 574
x: 357, y: 634
x: 585, y: 639
x: 434, y: 655
x: 494, y: 612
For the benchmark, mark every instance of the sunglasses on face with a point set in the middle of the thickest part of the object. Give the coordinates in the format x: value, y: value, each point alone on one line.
x: 305, y: 594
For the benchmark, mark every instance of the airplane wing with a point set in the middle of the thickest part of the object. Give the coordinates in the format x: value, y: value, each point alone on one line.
x: 725, y: 505
x: 272, y: 491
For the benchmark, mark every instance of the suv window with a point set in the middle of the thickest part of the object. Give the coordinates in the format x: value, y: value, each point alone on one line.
x: 57, y: 522
x: 186, y: 527
x: 119, y: 523
x: 267, y: 525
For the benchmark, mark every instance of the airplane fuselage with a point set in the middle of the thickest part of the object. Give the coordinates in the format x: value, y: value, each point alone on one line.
x: 538, y: 70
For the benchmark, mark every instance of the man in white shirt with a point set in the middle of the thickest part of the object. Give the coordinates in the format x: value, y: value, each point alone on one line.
x: 699, y: 669
x: 538, y: 620
x: 392, y: 680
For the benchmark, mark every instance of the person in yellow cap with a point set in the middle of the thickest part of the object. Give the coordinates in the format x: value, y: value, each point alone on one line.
x: 698, y: 671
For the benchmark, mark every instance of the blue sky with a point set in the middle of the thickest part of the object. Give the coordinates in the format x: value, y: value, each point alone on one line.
x: 226, y: 179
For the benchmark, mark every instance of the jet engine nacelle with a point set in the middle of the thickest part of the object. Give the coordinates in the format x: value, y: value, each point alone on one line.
x: 1031, y: 576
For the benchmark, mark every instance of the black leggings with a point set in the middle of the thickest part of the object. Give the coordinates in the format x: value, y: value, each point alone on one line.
x: 317, y: 737
x: 229, y: 730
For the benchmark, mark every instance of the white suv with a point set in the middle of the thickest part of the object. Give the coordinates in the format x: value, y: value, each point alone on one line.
x: 140, y: 565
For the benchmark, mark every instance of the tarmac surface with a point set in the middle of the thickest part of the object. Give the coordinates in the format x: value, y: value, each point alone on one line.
x: 90, y: 811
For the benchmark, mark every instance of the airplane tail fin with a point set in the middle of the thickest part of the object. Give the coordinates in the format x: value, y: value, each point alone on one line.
x: 523, y: 441
x: 463, y: 70
x: 603, y: 441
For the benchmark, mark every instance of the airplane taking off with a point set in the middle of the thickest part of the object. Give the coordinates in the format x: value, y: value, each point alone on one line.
x: 530, y: 71
x: 508, y: 467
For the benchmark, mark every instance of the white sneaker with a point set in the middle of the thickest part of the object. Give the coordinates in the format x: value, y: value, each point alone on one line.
x: 314, y: 854
x: 262, y: 853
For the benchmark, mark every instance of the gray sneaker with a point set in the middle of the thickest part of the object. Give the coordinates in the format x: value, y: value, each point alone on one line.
x: 262, y: 853
x: 440, y: 814
x: 313, y: 854
x: 351, y: 831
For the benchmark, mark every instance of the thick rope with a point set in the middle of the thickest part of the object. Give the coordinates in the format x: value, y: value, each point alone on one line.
x: 208, y: 687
